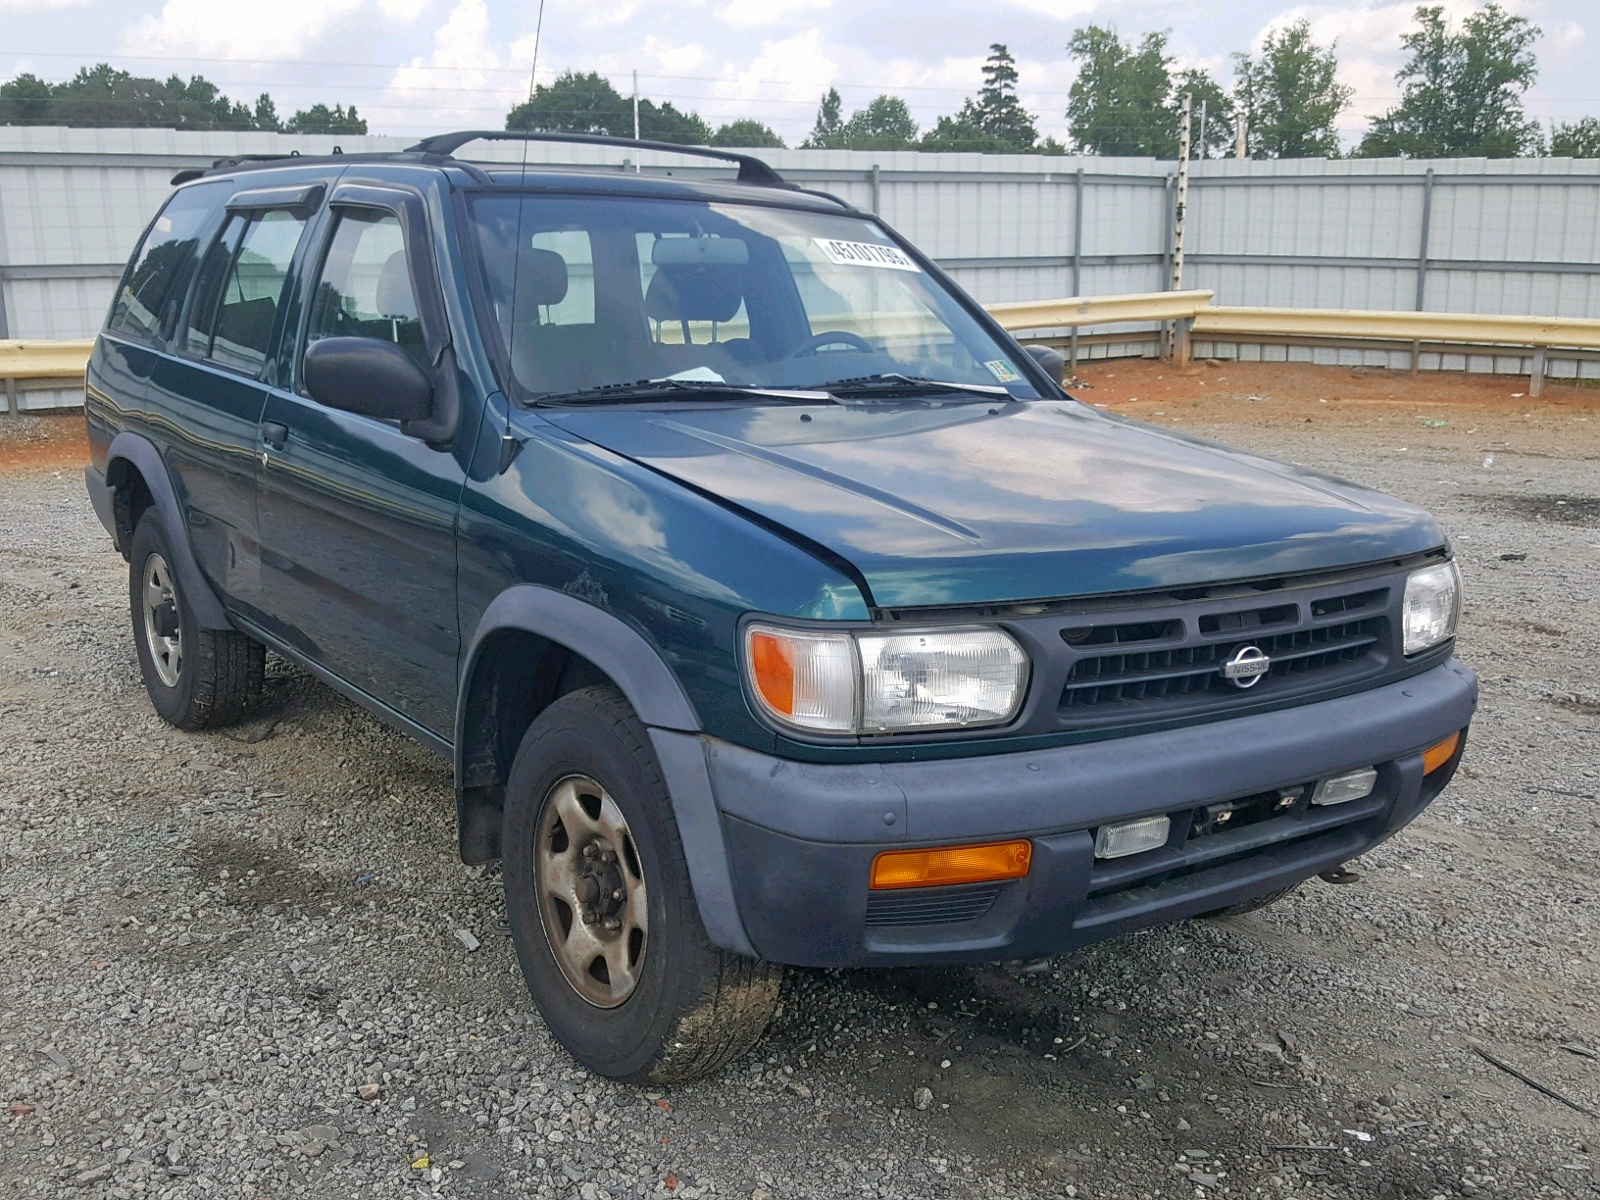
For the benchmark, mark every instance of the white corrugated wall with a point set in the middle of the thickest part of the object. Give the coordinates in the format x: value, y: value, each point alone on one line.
x: 1504, y: 236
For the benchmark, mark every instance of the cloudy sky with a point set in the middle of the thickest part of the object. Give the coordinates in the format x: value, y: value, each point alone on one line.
x: 417, y: 66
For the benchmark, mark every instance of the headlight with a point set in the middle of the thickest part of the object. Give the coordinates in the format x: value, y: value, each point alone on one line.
x: 883, y: 683
x: 1432, y: 606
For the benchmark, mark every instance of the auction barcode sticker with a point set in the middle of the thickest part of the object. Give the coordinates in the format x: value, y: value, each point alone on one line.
x: 866, y: 254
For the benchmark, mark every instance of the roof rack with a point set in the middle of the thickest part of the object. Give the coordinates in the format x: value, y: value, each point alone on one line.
x: 751, y: 169
x: 253, y: 161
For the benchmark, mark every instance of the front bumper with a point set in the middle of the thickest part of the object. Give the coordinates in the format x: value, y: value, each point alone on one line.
x: 801, y: 837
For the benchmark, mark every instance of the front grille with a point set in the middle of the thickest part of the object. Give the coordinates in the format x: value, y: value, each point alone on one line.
x: 1108, y: 665
x: 934, y: 906
x: 1185, y: 670
x: 1171, y: 663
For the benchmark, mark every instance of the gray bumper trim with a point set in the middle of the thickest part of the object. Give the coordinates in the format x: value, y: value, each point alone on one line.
x: 1083, y: 785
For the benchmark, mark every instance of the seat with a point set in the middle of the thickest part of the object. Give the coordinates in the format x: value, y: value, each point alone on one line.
x: 685, y: 292
x: 396, y: 303
x: 547, y: 356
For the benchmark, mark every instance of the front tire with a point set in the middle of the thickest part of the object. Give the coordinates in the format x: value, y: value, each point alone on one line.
x: 601, y: 908
x: 197, y: 678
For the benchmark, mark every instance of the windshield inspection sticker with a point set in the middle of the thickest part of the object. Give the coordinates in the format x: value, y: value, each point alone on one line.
x: 866, y: 254
x: 1002, y: 371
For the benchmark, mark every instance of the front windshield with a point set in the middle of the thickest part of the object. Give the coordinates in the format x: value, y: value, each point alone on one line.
x: 590, y: 292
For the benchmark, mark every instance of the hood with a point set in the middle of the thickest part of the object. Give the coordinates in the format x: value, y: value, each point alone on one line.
x: 967, y: 504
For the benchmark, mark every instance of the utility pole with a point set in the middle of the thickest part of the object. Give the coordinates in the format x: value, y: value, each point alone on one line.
x: 1241, y: 126
x: 636, y: 119
x: 1178, y: 335
x: 1202, y: 153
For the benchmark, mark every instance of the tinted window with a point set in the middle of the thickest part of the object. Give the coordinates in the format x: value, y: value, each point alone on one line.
x: 168, y: 248
x: 365, y: 288
x: 239, y: 289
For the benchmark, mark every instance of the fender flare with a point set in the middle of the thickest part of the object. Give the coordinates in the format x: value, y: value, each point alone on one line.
x: 140, y: 453
x: 649, y: 685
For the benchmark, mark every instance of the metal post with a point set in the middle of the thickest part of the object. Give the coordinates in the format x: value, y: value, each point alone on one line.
x: 636, y: 164
x: 1241, y: 125
x: 1077, y: 266
x: 1180, y: 203
x: 1166, y: 248
x: 1536, y: 376
x: 1422, y: 252
x: 877, y: 190
x: 1422, y: 259
x: 1202, y: 153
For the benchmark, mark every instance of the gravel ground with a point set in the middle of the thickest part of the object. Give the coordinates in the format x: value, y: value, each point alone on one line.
x: 234, y: 965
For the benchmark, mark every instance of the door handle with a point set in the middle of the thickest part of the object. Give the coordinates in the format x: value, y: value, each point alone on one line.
x: 274, y: 434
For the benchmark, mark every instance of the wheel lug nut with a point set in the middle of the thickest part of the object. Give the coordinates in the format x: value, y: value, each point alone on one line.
x: 589, y: 850
x: 613, y: 924
x: 618, y: 894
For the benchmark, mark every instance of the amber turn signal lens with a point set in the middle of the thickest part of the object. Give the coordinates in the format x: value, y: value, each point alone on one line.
x: 1435, y: 757
x: 772, y: 667
x: 946, y: 865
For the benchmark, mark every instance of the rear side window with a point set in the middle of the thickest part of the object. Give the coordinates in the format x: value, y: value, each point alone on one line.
x: 365, y: 288
x: 240, y: 288
x: 148, y: 298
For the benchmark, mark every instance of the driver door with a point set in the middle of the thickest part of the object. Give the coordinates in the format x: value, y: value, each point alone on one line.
x: 357, y: 518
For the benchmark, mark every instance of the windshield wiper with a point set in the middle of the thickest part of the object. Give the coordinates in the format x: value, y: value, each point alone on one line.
x: 892, y: 383
x: 647, y: 389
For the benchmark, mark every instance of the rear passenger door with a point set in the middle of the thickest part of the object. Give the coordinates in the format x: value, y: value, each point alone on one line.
x: 207, y: 392
x: 357, y: 517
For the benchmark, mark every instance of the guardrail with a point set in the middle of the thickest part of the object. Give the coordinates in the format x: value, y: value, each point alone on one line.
x: 1197, y: 318
x: 23, y: 362
x: 1194, y: 316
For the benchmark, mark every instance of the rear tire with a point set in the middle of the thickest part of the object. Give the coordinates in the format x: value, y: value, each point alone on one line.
x: 636, y: 992
x: 197, y: 678
x: 1255, y: 904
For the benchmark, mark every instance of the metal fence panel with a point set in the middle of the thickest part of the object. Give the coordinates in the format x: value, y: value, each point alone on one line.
x: 1509, y: 236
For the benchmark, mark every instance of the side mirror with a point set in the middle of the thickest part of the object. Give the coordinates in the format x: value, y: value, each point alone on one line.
x: 368, y: 376
x: 1053, y: 361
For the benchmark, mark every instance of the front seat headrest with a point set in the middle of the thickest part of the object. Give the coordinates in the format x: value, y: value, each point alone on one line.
x: 689, y: 292
x: 541, y: 280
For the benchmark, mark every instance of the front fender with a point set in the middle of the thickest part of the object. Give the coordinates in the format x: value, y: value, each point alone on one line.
x: 134, y: 452
x: 639, y: 672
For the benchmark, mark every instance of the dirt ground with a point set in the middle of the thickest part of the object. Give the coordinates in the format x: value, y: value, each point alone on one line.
x: 214, y: 939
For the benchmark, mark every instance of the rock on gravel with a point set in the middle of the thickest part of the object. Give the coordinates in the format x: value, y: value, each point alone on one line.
x: 218, y: 944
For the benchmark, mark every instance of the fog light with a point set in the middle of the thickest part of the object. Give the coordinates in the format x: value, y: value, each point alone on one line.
x: 1341, y: 789
x: 1131, y: 837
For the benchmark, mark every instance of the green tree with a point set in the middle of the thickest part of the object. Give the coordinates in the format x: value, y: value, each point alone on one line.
x: 1463, y: 89
x: 266, y: 115
x: 884, y: 124
x: 105, y: 97
x: 319, y: 118
x: 994, y: 123
x: 25, y: 100
x: 585, y: 102
x: 665, y: 123
x: 1577, y: 139
x: 577, y: 102
x: 1120, y: 102
x: 1290, y: 95
x: 828, y: 132
x: 1208, y: 102
x: 746, y: 132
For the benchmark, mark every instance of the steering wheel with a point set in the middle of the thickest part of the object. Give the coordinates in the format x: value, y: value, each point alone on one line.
x: 832, y: 337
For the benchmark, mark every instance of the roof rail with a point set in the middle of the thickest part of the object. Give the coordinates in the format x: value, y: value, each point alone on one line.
x: 751, y: 169
x: 246, y: 160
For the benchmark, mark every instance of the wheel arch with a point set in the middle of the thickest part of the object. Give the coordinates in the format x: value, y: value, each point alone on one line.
x: 138, y: 478
x: 534, y: 644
